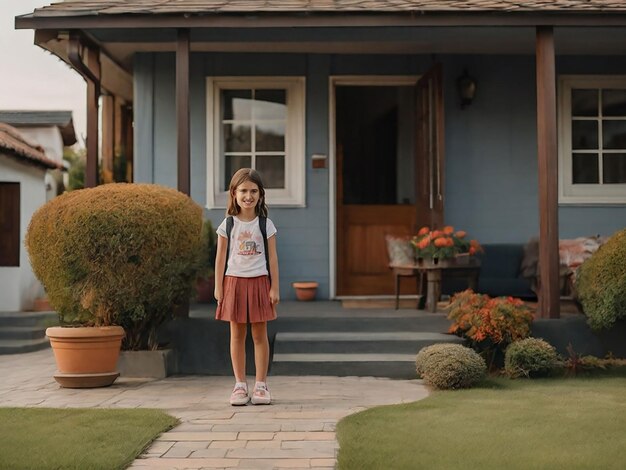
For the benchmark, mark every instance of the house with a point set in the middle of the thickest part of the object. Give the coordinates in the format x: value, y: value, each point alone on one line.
x: 360, y: 116
x: 23, y: 168
x: 52, y: 131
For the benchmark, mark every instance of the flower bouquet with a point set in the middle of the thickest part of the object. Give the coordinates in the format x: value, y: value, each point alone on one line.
x: 444, y: 244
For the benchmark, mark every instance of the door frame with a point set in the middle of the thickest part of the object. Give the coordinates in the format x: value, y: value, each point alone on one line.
x: 333, y: 82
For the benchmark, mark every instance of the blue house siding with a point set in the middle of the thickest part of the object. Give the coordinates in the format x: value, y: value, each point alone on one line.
x: 491, y: 146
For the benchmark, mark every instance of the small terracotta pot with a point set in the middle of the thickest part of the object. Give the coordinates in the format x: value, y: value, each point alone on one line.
x: 86, y: 356
x: 42, y: 304
x: 305, y: 290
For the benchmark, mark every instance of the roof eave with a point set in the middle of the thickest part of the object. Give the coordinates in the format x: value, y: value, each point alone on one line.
x: 295, y: 20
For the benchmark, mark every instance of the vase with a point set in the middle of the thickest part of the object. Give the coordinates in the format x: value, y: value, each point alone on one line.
x: 305, y: 290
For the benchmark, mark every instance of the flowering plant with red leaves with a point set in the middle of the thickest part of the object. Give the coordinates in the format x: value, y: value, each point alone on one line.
x: 443, y: 244
x: 490, y: 324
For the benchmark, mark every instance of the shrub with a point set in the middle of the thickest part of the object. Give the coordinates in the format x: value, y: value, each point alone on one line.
x: 601, y: 283
x: 449, y: 366
x: 576, y: 364
x: 489, y: 324
x: 530, y: 357
x: 118, y: 254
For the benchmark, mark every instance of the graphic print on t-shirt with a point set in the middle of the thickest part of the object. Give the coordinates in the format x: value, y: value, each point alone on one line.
x: 247, y: 246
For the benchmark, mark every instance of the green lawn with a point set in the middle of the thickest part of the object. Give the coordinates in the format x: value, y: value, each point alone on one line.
x: 44, y: 438
x: 505, y: 424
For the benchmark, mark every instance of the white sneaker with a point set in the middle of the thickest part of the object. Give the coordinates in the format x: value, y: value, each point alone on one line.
x: 239, y: 397
x: 261, y: 395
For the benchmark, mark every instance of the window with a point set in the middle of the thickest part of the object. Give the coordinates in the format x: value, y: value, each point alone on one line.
x: 257, y: 123
x: 592, y: 150
x: 9, y: 224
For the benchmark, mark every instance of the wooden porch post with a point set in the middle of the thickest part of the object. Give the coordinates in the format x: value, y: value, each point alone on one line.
x: 182, y: 111
x: 548, y: 177
x: 108, y: 137
x: 93, y: 95
x: 77, y: 52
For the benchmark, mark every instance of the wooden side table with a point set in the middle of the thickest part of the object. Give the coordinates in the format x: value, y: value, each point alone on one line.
x: 433, y: 274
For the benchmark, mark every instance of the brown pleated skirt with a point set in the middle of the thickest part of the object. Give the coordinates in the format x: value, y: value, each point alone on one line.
x: 246, y: 300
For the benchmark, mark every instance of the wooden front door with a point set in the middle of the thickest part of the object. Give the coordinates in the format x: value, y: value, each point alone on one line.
x: 380, y: 174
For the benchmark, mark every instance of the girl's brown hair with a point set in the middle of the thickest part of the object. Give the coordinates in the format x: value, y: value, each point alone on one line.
x: 241, y: 176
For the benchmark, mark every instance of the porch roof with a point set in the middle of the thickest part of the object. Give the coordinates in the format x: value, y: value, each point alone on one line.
x: 151, y: 7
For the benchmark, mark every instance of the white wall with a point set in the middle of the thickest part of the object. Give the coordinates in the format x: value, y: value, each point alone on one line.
x: 18, y: 285
x: 50, y: 139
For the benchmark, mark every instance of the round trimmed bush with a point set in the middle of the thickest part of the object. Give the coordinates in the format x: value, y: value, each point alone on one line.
x: 450, y: 366
x: 601, y: 283
x: 530, y: 357
x: 118, y: 254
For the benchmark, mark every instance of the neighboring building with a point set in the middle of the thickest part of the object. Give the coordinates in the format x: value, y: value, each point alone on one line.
x: 51, y: 130
x: 23, y: 168
x: 346, y: 108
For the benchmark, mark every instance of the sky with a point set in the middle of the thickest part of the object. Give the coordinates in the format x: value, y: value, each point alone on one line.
x: 31, y: 78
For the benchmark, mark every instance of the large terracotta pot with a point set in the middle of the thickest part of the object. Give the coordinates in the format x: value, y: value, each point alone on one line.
x: 86, y: 356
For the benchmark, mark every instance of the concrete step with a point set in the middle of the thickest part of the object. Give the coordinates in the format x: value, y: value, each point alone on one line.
x: 19, y: 346
x: 399, y: 342
x: 28, y: 318
x: 377, y: 354
x: 434, y: 323
x: 22, y: 332
x: 375, y: 365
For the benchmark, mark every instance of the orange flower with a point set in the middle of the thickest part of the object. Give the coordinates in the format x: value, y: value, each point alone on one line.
x: 448, y: 230
x: 472, y: 250
x: 441, y: 242
x: 436, y: 234
x: 450, y: 242
x: 423, y: 243
x: 423, y: 231
x: 461, y: 234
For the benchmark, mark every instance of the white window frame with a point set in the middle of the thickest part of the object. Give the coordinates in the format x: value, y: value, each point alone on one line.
x: 570, y: 193
x: 293, y: 195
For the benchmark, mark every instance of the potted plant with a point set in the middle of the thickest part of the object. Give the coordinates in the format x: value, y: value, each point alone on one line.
x: 305, y: 290
x: 205, y: 284
x: 445, y: 245
x: 114, y: 261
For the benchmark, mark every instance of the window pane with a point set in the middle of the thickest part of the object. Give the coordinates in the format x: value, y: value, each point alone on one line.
x: 584, y: 102
x: 585, y: 168
x: 270, y: 136
x: 614, y: 171
x: 270, y: 104
x: 232, y: 164
x: 272, y: 169
x: 237, y: 104
x: 614, y: 102
x: 614, y: 134
x: 584, y: 135
x: 237, y: 138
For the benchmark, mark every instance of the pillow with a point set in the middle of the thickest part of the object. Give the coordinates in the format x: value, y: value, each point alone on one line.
x: 400, y: 251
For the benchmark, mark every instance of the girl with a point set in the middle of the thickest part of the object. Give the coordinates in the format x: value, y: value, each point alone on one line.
x: 246, y: 280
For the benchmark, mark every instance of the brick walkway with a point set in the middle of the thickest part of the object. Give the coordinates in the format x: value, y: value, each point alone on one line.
x: 297, y: 431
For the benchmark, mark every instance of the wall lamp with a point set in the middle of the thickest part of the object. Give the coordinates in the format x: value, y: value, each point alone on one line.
x: 466, y: 85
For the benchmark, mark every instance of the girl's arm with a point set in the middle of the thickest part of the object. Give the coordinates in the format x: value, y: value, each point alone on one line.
x: 220, y: 268
x: 274, y: 289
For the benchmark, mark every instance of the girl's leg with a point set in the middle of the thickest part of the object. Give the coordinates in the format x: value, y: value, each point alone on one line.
x: 238, y: 350
x: 261, y: 350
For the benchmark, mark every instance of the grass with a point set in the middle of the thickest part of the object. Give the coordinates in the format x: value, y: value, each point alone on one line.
x: 577, y: 423
x: 46, y: 438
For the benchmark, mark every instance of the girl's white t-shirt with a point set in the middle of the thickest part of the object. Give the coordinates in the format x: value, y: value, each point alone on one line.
x: 247, y: 255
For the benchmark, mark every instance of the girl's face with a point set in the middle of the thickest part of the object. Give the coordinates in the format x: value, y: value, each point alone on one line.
x: 247, y: 195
